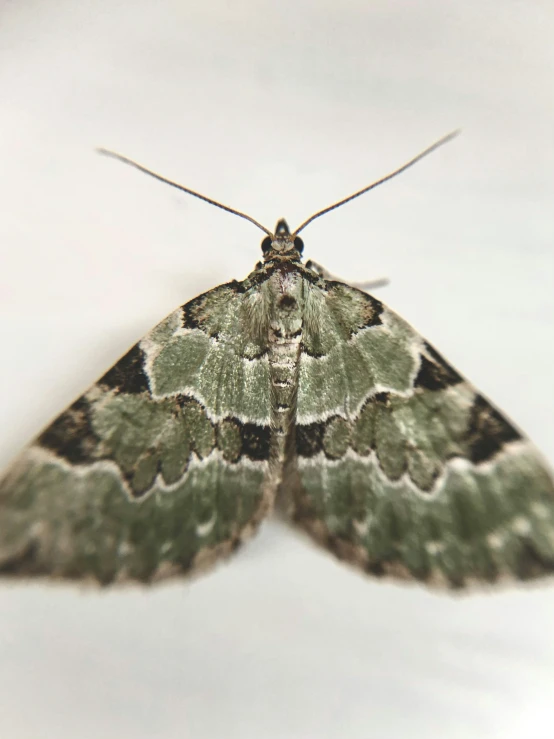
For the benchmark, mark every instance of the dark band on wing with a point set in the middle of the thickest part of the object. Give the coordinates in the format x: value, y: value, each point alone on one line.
x: 435, y: 373
x: 367, y: 315
x: 309, y: 439
x: 71, y: 436
x: 127, y: 375
x: 488, y: 431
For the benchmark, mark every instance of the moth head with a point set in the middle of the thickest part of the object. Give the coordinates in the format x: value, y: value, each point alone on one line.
x: 282, y: 242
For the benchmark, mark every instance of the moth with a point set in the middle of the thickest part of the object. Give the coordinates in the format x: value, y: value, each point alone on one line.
x: 289, y: 386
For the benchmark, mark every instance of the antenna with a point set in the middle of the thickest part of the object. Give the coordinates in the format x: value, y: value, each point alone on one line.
x: 424, y: 153
x: 125, y: 160
x: 136, y: 165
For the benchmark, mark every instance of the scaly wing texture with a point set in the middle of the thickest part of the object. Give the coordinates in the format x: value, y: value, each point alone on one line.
x: 159, y: 468
x: 402, y: 467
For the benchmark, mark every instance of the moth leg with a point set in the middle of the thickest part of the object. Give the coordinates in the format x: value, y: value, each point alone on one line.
x: 364, y: 285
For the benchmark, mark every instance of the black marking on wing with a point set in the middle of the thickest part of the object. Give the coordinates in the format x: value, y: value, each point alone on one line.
x: 365, y: 313
x: 311, y: 352
x: 71, y: 435
x: 193, y: 317
x: 256, y: 441
x: 193, y: 313
x: 371, y: 311
x: 309, y: 438
x: 384, y: 398
x: 246, y: 440
x: 127, y: 375
x: 255, y: 278
x: 435, y: 373
x: 488, y: 431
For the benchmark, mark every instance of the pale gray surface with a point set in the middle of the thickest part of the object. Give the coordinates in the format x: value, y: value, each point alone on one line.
x: 277, y: 109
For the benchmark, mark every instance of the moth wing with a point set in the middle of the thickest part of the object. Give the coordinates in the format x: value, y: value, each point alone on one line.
x: 402, y: 468
x: 160, y: 467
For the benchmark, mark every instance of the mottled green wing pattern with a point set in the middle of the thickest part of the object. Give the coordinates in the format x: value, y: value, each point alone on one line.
x: 402, y: 467
x: 161, y: 466
x: 288, y: 381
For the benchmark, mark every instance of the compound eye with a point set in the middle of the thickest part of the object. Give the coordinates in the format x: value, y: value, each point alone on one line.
x: 266, y: 244
x: 298, y: 244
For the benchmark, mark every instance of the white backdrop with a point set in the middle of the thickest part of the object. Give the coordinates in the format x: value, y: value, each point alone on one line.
x: 276, y: 108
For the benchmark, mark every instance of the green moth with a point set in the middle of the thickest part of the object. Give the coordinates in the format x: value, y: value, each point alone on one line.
x: 288, y: 387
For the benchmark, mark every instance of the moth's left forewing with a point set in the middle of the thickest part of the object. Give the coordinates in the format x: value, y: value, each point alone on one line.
x: 402, y: 467
x: 160, y: 467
